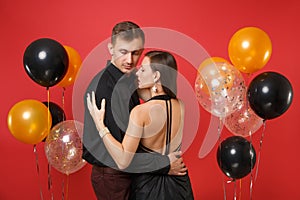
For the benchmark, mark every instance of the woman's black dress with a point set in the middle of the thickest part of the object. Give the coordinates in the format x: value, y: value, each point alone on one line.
x: 150, y: 186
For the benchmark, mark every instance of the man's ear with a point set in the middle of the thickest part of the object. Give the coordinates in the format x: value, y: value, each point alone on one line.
x: 110, y: 48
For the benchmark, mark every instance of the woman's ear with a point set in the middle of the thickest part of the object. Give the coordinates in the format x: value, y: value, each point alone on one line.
x: 156, y: 76
x: 110, y: 48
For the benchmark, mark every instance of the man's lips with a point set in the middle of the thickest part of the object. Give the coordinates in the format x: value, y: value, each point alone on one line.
x: 128, y: 67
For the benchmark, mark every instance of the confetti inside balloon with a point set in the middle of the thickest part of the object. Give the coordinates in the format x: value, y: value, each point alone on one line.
x: 226, y: 88
x: 243, y: 122
x: 63, y: 147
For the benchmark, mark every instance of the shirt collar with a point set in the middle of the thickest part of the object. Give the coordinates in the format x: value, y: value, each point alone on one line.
x: 117, y: 74
x: 114, y: 71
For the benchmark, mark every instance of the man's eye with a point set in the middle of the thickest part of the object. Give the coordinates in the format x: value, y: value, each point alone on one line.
x: 137, y: 53
x: 124, y: 52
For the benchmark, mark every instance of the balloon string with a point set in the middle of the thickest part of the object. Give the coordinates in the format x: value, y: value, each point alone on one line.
x: 240, y: 193
x: 50, y: 181
x: 234, y: 194
x: 251, y: 165
x: 67, y: 187
x: 220, y: 160
x: 251, y: 185
x: 63, y: 102
x: 251, y: 168
x: 224, y: 188
x: 38, y: 169
x: 260, y: 146
x: 63, y: 190
x: 48, y: 102
x: 48, y: 126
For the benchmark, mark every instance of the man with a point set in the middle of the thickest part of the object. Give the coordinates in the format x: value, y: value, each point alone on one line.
x: 116, y: 84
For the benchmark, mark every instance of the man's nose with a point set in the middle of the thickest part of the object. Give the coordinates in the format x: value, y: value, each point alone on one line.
x: 129, y: 57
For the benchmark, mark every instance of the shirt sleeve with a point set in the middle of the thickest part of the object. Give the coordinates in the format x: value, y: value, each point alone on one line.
x: 149, y: 163
x: 94, y: 151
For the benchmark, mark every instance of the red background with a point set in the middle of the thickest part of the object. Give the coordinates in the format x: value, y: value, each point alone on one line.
x: 84, y: 24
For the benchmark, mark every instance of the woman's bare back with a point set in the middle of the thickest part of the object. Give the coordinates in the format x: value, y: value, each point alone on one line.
x: 154, y: 117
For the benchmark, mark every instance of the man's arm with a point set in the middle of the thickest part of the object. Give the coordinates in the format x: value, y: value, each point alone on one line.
x: 94, y: 151
x: 157, y: 164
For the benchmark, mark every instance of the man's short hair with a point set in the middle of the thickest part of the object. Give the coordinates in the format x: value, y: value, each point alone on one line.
x: 128, y: 31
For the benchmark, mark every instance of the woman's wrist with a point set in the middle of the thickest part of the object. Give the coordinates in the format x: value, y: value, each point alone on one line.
x: 103, y: 131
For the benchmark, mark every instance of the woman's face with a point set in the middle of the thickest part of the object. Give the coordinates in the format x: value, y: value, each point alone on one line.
x: 145, y: 74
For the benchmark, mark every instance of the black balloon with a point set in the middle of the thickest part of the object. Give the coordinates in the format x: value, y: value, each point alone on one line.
x: 57, y: 113
x: 46, y: 62
x: 236, y: 157
x: 270, y: 94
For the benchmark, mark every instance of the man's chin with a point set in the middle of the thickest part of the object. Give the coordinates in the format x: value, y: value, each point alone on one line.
x: 127, y: 70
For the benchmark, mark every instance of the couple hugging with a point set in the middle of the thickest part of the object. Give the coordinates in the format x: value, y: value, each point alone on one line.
x: 135, y: 148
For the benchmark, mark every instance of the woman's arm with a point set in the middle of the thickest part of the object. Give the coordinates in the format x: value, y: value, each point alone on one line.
x: 121, y: 153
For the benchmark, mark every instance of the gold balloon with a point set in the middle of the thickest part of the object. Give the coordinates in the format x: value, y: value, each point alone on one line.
x: 213, y: 63
x: 73, y: 68
x: 211, y: 60
x: 29, y: 121
x: 249, y: 49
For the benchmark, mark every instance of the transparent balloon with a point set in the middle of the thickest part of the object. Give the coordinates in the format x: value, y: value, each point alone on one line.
x: 220, y: 88
x: 63, y: 147
x: 243, y: 122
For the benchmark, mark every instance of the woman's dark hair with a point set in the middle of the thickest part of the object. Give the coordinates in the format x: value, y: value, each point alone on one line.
x: 127, y: 31
x: 165, y: 63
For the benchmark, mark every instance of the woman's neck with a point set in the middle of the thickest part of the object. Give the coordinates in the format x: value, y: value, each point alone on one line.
x: 157, y: 92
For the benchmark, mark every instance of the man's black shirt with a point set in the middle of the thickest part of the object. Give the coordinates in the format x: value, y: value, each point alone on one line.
x: 119, y: 91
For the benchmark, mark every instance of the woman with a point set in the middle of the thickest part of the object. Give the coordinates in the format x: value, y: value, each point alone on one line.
x: 155, y: 127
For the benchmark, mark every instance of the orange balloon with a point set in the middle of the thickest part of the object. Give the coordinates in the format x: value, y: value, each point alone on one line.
x: 73, y: 68
x: 249, y: 49
x: 211, y: 60
x: 208, y: 61
x: 29, y: 121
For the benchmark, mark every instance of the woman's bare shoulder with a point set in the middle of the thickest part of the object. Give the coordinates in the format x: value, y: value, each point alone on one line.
x: 139, y: 110
x: 145, y: 108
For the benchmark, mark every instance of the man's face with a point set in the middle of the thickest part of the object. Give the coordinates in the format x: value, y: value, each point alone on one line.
x: 126, y: 54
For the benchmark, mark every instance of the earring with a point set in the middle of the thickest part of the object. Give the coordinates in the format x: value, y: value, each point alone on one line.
x: 154, y: 89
